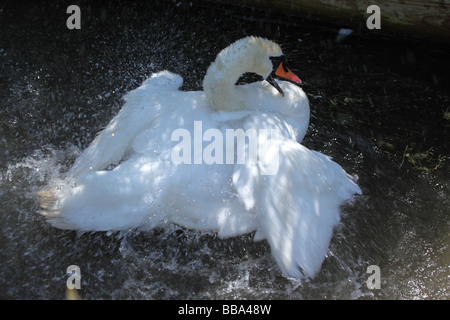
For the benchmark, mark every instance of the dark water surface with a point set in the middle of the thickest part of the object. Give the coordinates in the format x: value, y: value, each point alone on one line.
x: 380, y: 107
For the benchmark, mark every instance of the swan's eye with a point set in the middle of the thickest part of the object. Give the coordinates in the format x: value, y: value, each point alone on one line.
x: 279, y: 61
x: 276, y: 61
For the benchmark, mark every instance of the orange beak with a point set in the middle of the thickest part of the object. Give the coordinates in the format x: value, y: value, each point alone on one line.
x: 285, y: 73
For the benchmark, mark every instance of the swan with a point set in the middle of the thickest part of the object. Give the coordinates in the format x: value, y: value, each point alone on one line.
x: 177, y: 157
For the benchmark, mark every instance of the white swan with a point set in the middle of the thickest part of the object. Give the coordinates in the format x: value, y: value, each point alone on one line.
x: 163, y: 140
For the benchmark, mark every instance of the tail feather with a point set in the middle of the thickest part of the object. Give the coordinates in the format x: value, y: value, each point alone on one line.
x: 49, y: 204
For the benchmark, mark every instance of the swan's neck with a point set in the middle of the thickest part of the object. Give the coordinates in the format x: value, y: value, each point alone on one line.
x: 220, y: 89
x: 250, y: 54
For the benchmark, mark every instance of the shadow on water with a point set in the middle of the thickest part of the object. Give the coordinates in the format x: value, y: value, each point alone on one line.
x: 379, y: 107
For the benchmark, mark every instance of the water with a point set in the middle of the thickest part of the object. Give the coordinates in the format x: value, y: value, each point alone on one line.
x: 379, y: 107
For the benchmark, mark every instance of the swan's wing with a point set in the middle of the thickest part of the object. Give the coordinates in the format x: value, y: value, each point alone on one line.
x: 119, y: 199
x: 296, y: 194
x: 301, y: 207
x: 142, y: 106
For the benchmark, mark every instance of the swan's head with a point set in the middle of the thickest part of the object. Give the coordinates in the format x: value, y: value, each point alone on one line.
x: 281, y: 70
x: 247, y: 55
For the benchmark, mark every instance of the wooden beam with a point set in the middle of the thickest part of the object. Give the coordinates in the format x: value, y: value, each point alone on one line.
x: 421, y: 19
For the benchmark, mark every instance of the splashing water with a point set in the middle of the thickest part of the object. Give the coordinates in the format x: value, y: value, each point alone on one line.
x: 61, y: 88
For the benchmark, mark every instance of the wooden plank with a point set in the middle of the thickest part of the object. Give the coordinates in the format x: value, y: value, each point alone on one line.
x: 423, y: 19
